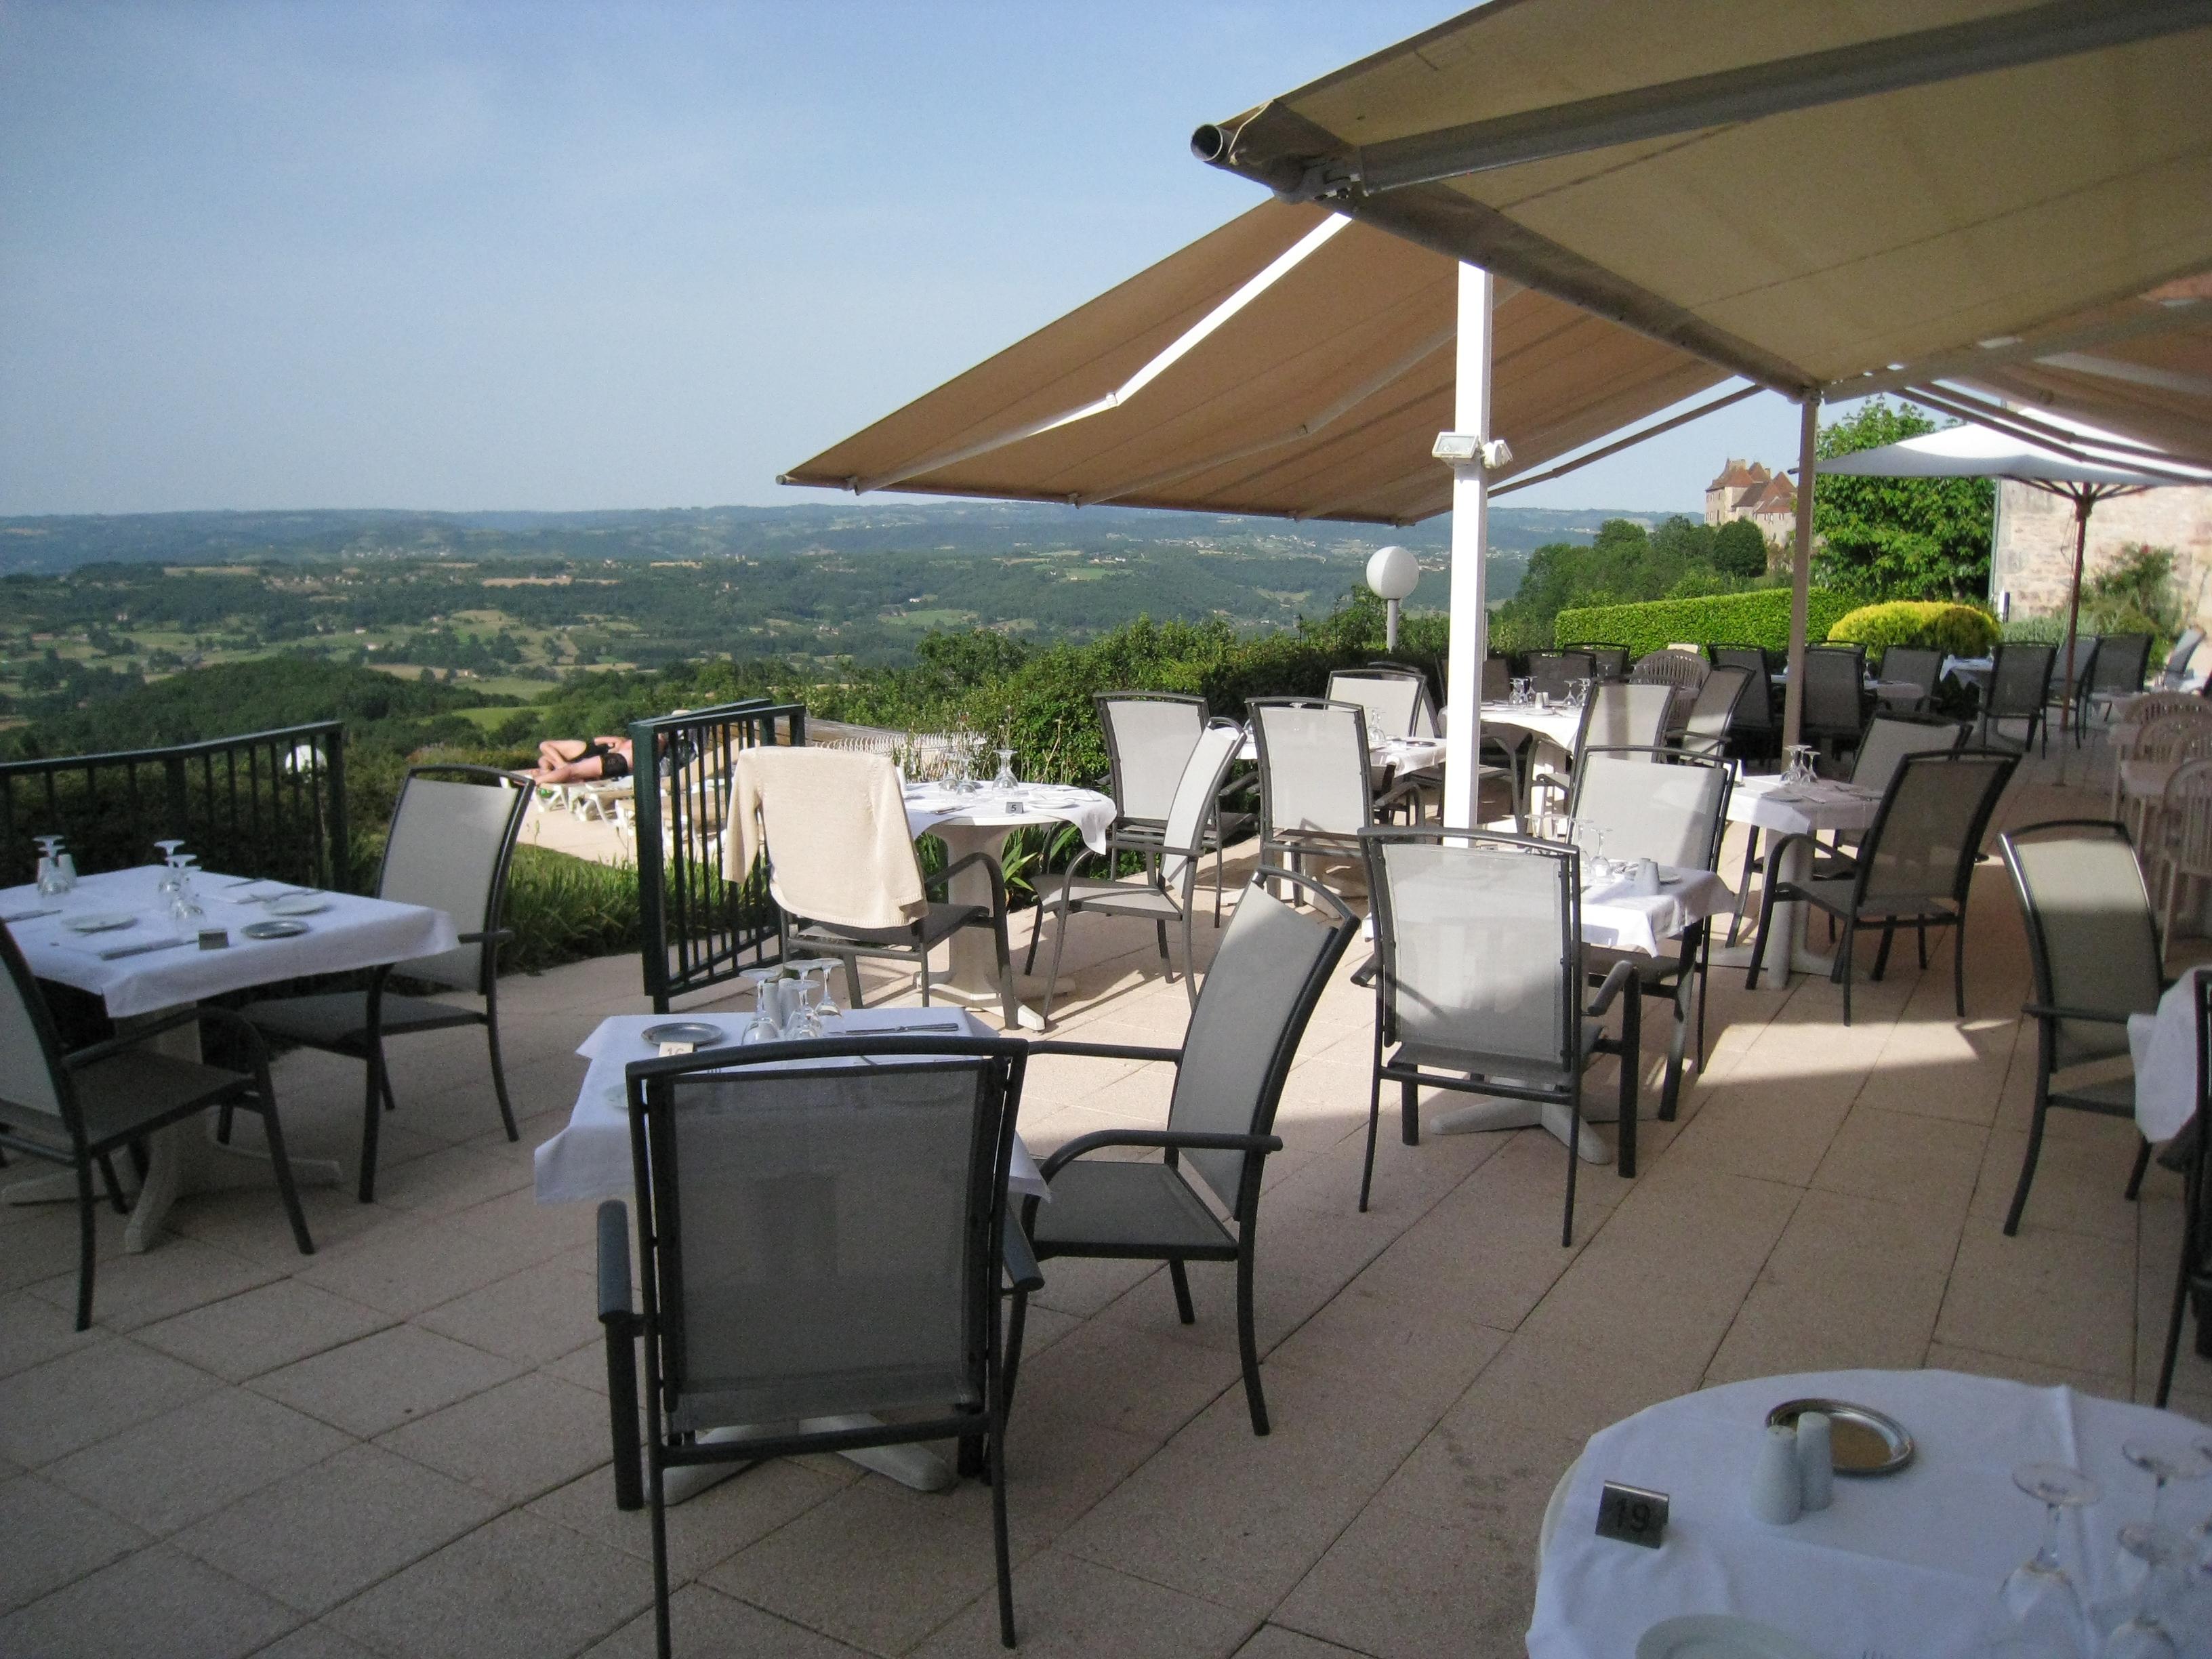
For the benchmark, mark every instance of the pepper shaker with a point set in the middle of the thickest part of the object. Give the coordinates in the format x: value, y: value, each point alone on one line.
x: 1816, y: 1463
x: 1777, y: 1494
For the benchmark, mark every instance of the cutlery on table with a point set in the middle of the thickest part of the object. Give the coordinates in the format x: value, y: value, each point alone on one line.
x: 32, y: 916
x: 141, y: 950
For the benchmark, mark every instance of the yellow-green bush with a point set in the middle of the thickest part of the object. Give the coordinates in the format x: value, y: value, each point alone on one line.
x: 1963, y: 630
x: 1760, y: 617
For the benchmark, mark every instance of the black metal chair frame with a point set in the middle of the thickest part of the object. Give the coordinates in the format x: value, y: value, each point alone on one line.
x: 1240, y: 1247
x: 91, y: 1145
x: 2048, y: 1013
x: 1412, y: 1077
x: 1827, y: 734
x: 913, y: 943
x: 385, y: 1013
x: 2192, y: 1275
x: 2088, y: 688
x: 1295, y: 845
x: 996, y: 1252
x: 1227, y: 820
x: 2033, y: 717
x: 1852, y: 913
x: 1755, y: 733
x: 1608, y: 662
x: 2175, y: 669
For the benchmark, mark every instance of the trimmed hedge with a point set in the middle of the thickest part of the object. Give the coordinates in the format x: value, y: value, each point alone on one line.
x: 1963, y: 630
x: 1758, y: 617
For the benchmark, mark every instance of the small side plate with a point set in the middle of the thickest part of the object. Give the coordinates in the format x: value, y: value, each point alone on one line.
x: 1718, y: 1635
x: 279, y: 929
x: 100, y: 921
x: 299, y: 904
x: 1860, y: 1440
x: 696, y: 1032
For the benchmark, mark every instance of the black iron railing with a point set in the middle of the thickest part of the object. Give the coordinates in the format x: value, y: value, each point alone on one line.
x: 266, y: 804
x: 703, y: 924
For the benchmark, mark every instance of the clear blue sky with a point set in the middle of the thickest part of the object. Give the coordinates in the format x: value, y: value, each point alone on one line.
x: 550, y: 255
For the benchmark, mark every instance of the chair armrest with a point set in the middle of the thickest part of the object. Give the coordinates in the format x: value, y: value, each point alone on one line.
x: 493, y: 935
x: 169, y: 1022
x: 2052, y: 1011
x: 1021, y: 1262
x: 1397, y: 791
x: 1621, y: 975
x: 615, y: 1308
x: 1183, y: 1140
x: 990, y: 868
x: 1102, y: 1050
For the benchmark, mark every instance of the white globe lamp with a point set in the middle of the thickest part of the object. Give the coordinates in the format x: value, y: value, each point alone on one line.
x: 1392, y: 574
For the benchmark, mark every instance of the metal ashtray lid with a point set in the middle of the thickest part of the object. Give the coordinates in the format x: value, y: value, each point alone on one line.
x: 1860, y: 1440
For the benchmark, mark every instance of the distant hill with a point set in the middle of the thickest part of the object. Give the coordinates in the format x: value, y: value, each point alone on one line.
x: 54, y: 544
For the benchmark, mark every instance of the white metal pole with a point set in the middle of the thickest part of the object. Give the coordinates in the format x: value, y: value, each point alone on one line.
x: 1793, y: 700
x: 1470, y: 546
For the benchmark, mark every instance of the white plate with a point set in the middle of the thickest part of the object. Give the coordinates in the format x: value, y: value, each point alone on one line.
x: 1718, y: 1635
x: 278, y: 929
x: 299, y: 904
x: 100, y: 921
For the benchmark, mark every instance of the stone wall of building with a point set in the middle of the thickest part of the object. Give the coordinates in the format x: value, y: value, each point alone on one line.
x: 2032, y: 554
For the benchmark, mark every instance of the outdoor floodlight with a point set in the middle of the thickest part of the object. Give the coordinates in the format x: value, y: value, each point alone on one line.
x: 1393, y: 573
x: 1465, y: 448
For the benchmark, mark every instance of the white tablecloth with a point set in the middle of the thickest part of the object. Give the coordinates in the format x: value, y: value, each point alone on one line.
x: 1622, y: 920
x: 2164, y: 1046
x: 1906, y: 1565
x: 354, y: 932
x: 1801, y: 808
x: 1091, y: 812
x: 1557, y: 726
x: 1969, y: 671
x: 590, y: 1158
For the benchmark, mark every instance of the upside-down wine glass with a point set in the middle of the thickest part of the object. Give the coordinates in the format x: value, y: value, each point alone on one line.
x: 2165, y: 1463
x: 2040, y: 1597
x: 2146, y: 1632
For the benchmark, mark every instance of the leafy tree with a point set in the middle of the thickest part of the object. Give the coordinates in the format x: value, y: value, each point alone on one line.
x: 1740, y: 549
x: 1898, y: 538
x: 2134, y: 594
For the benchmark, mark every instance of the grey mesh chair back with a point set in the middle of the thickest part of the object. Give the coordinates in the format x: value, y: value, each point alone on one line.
x: 2092, y: 938
x: 1610, y: 662
x: 1313, y: 766
x: 1267, y: 975
x: 2085, y: 648
x: 453, y: 837
x: 2019, y: 677
x: 1497, y: 680
x: 1391, y: 700
x: 1756, y: 712
x: 30, y: 1054
x: 2120, y: 662
x: 1928, y: 833
x: 1621, y: 716
x: 1833, y: 677
x: 1888, y: 739
x: 1149, y: 736
x: 1712, y: 716
x: 1670, y: 667
x: 1425, y: 723
x: 1196, y: 791
x: 1914, y: 666
x: 2177, y: 660
x: 1674, y: 814
x: 1479, y: 940
x: 1553, y: 671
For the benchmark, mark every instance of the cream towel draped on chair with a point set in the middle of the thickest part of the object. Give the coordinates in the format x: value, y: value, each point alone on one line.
x: 837, y: 822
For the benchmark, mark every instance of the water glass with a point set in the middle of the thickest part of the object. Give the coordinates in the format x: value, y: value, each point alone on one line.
x: 50, y: 869
x: 1006, y: 778
x: 2039, y: 1598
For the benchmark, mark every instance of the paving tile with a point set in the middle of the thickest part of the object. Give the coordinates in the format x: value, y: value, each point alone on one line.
x: 52, y: 1540
x: 702, y: 1620
x: 704, y: 1530
x: 261, y: 1329
x: 157, y: 1604
x: 87, y: 1395
x: 1925, y: 1162
x: 2080, y: 1185
x: 519, y: 1588
x: 1127, y: 1379
x: 315, y: 1642
x: 2062, y: 1299
x: 327, y: 1533
x: 1428, y: 1356
x: 33, y: 1331
x: 1401, y: 1585
x: 514, y: 1441
x: 1943, y: 1356
x: 250, y: 1223
x: 1066, y: 1606
x: 404, y: 1270
x: 375, y: 1384
x: 547, y: 1229
x: 1281, y: 1642
x: 176, y: 1275
x: 535, y: 1316
x: 191, y: 1462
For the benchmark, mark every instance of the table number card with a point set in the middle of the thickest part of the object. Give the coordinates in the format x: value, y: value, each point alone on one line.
x: 1632, y: 1515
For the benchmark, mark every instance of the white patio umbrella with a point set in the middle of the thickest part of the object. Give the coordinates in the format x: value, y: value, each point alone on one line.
x: 2083, y: 466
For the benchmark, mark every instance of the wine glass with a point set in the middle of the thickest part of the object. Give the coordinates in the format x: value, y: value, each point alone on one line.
x: 2165, y: 1463
x: 825, y: 1000
x: 2040, y: 1597
x: 168, y: 850
x: 764, y: 1027
x: 1006, y: 778
x: 2144, y: 1633
x: 50, y: 869
x: 182, y: 906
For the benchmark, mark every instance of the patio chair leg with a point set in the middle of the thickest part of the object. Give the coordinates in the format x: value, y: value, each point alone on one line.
x: 1843, y: 963
x: 222, y: 1125
x: 1248, y: 1346
x: 1631, y: 1067
x: 114, y: 1186
x: 852, y: 994
x: 1189, y: 955
x: 1670, y: 1092
x: 1002, y: 1556
x: 1018, y: 1319
x: 371, y: 1119
x: 1958, y: 961
x: 384, y: 1087
x: 1374, y: 1116
x: 2135, y: 1174
x: 85, y: 1245
x: 1920, y: 930
x: 1705, y: 986
x: 1881, y: 956
x: 1180, y: 1280
x: 1036, y: 937
x: 1059, y: 944
x: 1574, y: 1158
x: 1009, y: 1010
x: 273, y: 1132
x: 1759, y: 940
x: 1409, y: 1113
x: 1160, y: 933
x: 924, y: 977
x: 2027, y: 1163
x: 657, y: 1501
x: 498, y: 1069
x: 2189, y: 1254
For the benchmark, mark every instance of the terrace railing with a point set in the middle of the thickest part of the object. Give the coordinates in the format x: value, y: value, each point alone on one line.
x: 265, y: 804
x: 703, y: 923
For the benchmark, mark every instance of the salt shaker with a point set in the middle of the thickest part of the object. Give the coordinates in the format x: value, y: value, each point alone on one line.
x: 1776, y: 1494
x: 1816, y: 1463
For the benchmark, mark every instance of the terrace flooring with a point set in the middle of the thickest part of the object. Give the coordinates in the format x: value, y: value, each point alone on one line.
x: 398, y: 1446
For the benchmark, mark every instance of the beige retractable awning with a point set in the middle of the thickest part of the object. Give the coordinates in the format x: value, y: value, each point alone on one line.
x: 1291, y: 363
x: 1810, y: 195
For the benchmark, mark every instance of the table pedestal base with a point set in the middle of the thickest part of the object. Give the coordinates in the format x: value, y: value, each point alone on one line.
x: 1028, y: 987
x: 1564, y: 1127
x: 914, y: 1465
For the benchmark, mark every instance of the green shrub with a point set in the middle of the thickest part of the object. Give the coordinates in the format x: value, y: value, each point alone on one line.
x: 565, y: 909
x: 1963, y: 630
x: 1758, y: 617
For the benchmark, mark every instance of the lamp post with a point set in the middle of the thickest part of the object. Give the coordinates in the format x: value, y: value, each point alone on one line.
x: 1393, y: 573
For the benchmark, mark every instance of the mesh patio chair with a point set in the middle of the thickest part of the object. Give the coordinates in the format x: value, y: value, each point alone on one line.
x: 1162, y: 892
x: 1497, y: 680
x: 2192, y: 1273
x: 1756, y: 733
x: 1553, y: 672
x: 1149, y: 736
x: 1835, y: 678
x: 79, y: 1107
x: 821, y: 1240
x: 1609, y: 662
x: 2181, y: 860
x: 1479, y: 980
x: 1268, y: 975
x: 1913, y: 666
x: 2115, y: 674
x: 2019, y: 677
x: 1712, y: 717
x: 2085, y: 667
x: 1314, y: 797
x: 2092, y: 947
x: 1617, y: 714
x: 2176, y: 669
x: 1915, y: 864
x: 1675, y: 815
x: 1410, y: 696
x: 452, y: 838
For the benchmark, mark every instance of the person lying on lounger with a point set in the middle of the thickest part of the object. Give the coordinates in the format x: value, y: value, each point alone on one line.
x: 574, y: 760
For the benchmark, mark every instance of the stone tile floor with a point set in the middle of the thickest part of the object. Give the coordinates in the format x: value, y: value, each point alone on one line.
x: 398, y: 1446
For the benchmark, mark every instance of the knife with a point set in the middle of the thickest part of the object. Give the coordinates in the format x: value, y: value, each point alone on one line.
x: 141, y: 950
x: 29, y: 915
